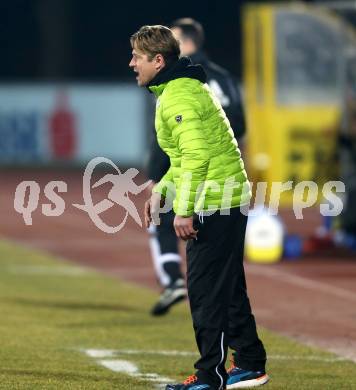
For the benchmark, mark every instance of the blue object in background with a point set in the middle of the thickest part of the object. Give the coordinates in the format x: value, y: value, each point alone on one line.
x: 293, y: 245
x: 350, y: 241
x: 19, y: 136
x: 328, y: 222
x: 345, y: 240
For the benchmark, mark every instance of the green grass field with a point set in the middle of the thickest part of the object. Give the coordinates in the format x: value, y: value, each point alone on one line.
x: 52, y: 312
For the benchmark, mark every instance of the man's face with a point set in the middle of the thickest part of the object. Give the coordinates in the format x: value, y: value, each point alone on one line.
x: 186, y: 45
x: 146, y: 69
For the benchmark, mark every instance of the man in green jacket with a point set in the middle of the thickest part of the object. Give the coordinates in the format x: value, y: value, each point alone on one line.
x: 207, y: 184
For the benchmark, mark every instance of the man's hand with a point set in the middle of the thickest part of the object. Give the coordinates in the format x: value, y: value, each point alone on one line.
x: 152, y: 207
x: 184, y: 227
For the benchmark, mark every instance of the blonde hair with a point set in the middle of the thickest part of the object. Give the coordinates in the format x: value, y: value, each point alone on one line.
x: 153, y: 40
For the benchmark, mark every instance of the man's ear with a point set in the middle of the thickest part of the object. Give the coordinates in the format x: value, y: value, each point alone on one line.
x: 159, y: 61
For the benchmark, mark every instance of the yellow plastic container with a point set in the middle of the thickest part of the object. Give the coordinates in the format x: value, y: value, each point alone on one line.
x: 264, y: 238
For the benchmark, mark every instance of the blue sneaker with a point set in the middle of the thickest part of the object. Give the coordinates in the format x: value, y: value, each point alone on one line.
x: 191, y: 383
x: 242, y: 379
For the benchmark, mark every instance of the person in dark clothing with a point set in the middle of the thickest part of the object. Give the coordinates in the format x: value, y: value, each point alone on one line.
x: 163, y: 241
x: 190, y: 34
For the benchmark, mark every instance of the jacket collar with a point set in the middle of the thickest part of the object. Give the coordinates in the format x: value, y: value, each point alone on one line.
x: 178, y: 69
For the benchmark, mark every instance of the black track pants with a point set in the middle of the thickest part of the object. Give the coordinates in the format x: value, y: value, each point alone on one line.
x: 219, y: 303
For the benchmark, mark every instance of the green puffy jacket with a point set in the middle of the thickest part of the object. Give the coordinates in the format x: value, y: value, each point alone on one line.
x: 206, y: 169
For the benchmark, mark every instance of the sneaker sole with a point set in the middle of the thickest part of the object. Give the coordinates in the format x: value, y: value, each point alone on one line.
x: 177, y: 296
x: 249, y: 383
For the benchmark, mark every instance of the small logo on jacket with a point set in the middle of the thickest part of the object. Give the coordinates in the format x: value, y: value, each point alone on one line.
x: 179, y: 118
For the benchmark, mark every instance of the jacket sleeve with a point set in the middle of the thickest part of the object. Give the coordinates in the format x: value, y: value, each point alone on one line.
x: 184, y: 121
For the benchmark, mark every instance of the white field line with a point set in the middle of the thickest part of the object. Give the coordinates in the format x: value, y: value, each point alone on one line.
x: 120, y: 366
x: 309, y: 358
x: 106, y: 353
x: 109, y: 353
x: 128, y: 368
x: 25, y: 269
x: 286, y: 277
